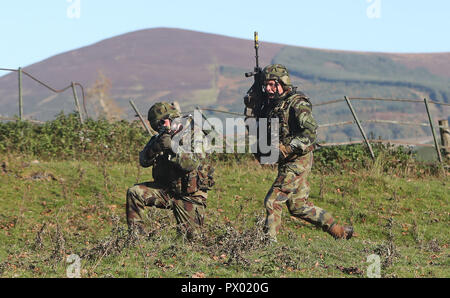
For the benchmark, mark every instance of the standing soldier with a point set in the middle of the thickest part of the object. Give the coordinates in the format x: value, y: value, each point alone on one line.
x: 297, y: 133
x: 181, y: 175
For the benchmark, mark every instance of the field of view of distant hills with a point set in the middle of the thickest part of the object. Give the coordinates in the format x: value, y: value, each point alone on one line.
x: 207, y: 70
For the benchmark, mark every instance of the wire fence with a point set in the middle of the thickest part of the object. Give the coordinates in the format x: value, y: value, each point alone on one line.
x: 443, y: 124
x: 381, y: 99
x: 72, y: 85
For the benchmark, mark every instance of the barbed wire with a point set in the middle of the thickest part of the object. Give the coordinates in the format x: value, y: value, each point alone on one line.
x: 337, y: 123
x: 380, y: 99
x: 394, y: 142
x: 51, y: 88
x: 15, y: 119
x: 73, y: 84
x: 399, y: 100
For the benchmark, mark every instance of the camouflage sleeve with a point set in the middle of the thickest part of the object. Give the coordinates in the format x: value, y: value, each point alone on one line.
x: 147, y: 155
x: 305, y: 127
x: 190, y: 155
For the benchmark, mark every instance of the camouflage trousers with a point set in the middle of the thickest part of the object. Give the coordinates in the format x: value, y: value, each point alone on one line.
x: 291, y: 187
x: 189, y: 211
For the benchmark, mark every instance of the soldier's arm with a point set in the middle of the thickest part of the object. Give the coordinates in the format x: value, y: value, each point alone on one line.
x: 148, y: 154
x: 305, y: 128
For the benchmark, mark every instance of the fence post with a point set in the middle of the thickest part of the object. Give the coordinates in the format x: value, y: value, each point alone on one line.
x: 20, y: 95
x: 205, y: 118
x: 77, y: 104
x: 445, y: 136
x: 360, y: 127
x: 436, y: 144
x: 140, y: 117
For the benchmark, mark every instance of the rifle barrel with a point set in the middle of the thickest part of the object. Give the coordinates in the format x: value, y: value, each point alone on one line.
x: 256, y: 49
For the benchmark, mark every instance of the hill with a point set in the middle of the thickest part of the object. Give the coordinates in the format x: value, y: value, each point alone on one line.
x: 207, y: 70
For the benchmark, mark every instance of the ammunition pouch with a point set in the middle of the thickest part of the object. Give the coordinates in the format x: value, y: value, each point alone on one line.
x: 205, y: 176
x: 200, y: 179
x: 289, y: 158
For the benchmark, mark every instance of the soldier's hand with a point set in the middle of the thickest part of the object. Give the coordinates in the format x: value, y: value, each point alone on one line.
x: 285, y: 150
x: 250, y: 100
x: 165, y: 142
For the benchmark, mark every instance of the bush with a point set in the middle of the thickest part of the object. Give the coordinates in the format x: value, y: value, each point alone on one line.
x: 65, y: 138
x: 396, y: 160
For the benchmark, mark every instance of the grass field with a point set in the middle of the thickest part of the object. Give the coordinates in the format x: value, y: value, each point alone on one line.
x: 52, y: 209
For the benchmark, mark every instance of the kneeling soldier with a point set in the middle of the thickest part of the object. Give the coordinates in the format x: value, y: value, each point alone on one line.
x: 182, y: 176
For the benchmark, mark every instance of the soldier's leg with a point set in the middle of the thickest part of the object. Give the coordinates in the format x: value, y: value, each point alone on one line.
x: 301, y: 208
x: 189, y: 213
x: 274, y: 206
x: 297, y: 187
x: 142, y: 195
x: 285, y: 185
x: 298, y: 191
x: 305, y: 210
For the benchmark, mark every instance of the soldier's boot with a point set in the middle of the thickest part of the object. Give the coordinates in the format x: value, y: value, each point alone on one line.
x: 340, y: 232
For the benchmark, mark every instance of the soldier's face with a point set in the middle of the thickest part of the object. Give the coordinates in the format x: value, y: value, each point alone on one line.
x: 165, y: 122
x: 272, y: 87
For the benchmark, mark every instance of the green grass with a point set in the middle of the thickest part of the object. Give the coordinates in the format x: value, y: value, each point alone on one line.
x: 52, y: 209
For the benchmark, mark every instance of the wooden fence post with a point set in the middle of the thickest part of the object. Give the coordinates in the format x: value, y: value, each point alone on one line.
x: 445, y: 136
x: 77, y: 104
x: 360, y: 127
x: 436, y: 144
x: 20, y: 95
x: 140, y: 117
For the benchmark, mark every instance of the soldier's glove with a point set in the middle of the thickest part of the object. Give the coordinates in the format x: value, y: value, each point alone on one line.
x: 162, y: 144
x: 249, y: 101
x: 285, y: 150
x: 165, y: 142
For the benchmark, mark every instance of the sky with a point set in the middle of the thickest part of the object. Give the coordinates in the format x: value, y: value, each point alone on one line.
x: 31, y: 31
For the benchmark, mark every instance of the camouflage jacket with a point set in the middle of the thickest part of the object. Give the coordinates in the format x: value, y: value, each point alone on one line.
x: 184, y: 170
x: 298, y: 128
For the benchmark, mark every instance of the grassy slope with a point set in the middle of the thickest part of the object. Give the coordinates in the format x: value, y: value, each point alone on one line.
x: 376, y: 69
x: 78, y: 207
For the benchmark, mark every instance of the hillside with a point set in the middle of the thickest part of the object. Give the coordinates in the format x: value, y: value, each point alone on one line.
x: 63, y: 187
x: 51, y: 210
x: 207, y: 70
x: 147, y: 65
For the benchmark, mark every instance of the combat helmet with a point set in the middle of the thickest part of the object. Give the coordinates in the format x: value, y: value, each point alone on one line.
x: 160, y: 111
x: 277, y: 72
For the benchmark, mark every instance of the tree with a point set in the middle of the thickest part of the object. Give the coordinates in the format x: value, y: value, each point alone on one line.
x: 100, y: 98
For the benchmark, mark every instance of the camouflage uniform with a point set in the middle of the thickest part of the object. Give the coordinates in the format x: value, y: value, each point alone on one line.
x: 181, y: 181
x: 297, y: 133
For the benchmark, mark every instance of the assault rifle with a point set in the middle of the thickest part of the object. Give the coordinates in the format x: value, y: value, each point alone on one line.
x: 175, y: 127
x: 252, y: 99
